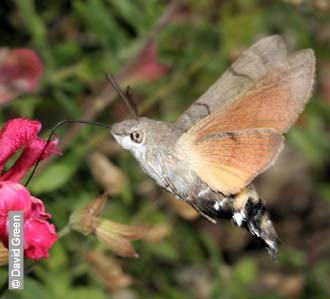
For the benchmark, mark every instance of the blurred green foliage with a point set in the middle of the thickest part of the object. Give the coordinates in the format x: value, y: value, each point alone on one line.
x: 81, y: 40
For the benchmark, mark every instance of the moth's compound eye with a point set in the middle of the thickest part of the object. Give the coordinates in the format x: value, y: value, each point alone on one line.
x: 137, y: 136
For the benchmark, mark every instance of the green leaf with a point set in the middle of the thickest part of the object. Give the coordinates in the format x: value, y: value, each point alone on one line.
x: 52, y: 178
x: 86, y: 293
x: 245, y: 271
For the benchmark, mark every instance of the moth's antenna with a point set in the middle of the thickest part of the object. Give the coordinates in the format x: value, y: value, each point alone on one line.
x: 127, y: 97
x: 52, y: 133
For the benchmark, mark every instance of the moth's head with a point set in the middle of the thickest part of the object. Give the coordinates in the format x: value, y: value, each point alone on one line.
x: 131, y: 134
x: 135, y: 134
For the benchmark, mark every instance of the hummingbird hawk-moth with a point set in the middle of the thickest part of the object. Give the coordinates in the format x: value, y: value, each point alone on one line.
x: 232, y: 133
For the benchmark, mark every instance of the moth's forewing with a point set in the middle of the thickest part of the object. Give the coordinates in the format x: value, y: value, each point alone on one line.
x: 251, y: 66
x: 228, y: 162
x: 275, y: 101
x: 264, y: 88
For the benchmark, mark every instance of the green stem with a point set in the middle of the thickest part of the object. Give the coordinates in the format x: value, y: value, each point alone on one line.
x: 64, y: 231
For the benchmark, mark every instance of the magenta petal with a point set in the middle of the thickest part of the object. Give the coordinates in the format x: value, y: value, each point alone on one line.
x: 38, y: 209
x: 16, y: 134
x: 151, y: 71
x: 29, y: 157
x: 20, y: 72
x: 147, y: 68
x: 39, y: 235
x: 39, y: 238
x: 13, y: 197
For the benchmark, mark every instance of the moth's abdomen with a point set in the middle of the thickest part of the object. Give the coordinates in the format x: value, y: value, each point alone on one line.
x: 250, y: 211
x: 247, y: 209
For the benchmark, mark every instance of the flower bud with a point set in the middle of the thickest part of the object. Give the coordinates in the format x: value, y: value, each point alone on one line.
x: 84, y: 220
x: 20, y: 72
x: 108, y: 270
x: 3, y: 255
x: 158, y: 233
x: 106, y: 174
x: 117, y: 236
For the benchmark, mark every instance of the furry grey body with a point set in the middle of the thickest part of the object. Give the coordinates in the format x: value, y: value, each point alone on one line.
x: 160, y: 162
x: 153, y: 143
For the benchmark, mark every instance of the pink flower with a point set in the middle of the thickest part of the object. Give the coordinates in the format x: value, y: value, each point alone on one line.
x: 39, y: 235
x: 13, y: 197
x: 37, y: 245
x: 20, y: 72
x: 146, y: 67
